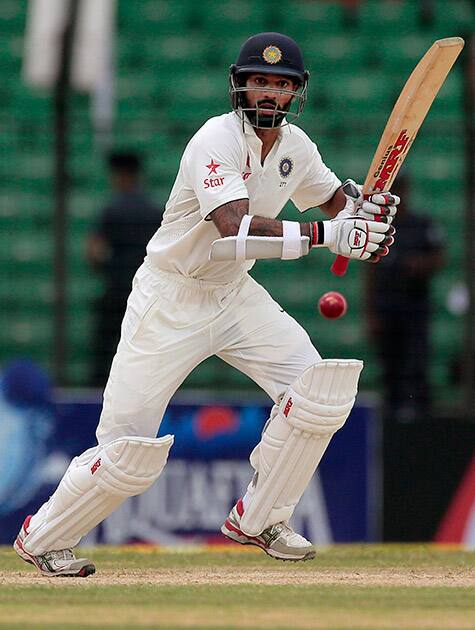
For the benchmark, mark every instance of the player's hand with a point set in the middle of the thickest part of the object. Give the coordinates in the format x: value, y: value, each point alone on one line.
x: 375, y: 207
x: 354, y: 198
x: 357, y: 238
x: 379, y: 207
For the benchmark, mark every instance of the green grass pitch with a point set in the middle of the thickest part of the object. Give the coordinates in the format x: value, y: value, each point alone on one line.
x: 346, y: 587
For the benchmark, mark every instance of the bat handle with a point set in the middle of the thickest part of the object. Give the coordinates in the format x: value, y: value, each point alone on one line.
x: 340, y: 265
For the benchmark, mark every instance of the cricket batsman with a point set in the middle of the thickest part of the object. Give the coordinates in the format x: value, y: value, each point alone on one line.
x: 193, y: 297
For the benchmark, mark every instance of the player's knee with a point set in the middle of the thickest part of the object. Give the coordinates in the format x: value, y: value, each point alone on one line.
x: 128, y: 466
x: 321, y: 399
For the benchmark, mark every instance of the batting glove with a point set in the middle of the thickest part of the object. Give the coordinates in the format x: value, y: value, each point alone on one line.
x: 375, y: 207
x: 354, y: 238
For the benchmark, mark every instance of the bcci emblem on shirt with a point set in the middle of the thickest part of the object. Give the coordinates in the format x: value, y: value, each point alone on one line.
x: 285, y: 166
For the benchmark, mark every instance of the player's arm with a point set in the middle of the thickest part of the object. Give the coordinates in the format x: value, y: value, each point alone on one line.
x: 335, y: 204
x: 246, y: 237
x: 228, y: 217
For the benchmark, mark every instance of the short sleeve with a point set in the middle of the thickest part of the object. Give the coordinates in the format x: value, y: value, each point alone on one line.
x: 214, y: 169
x: 318, y: 185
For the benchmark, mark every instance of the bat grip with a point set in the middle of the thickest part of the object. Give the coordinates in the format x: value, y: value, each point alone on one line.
x: 340, y: 265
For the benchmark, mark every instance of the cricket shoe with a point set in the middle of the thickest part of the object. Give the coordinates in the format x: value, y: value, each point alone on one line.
x: 279, y: 540
x: 53, y: 563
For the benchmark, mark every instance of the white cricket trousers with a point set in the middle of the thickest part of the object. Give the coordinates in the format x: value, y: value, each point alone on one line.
x: 173, y: 323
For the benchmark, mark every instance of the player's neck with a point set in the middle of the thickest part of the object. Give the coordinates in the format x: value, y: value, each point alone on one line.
x: 268, y: 138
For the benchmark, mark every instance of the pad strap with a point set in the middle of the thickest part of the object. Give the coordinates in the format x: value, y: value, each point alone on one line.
x: 291, y: 246
x: 241, y: 237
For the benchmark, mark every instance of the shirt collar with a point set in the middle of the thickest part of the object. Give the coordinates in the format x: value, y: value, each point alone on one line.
x: 250, y: 133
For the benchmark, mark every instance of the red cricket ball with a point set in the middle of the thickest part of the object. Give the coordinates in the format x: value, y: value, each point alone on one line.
x: 332, y: 305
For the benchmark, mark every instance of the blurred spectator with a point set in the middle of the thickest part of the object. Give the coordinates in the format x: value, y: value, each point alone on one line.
x: 116, y: 249
x: 398, y: 303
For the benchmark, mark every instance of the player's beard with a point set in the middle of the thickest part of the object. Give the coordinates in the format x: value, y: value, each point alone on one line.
x: 264, y: 121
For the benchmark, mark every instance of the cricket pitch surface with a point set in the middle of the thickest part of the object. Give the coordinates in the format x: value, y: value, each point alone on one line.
x: 368, y: 587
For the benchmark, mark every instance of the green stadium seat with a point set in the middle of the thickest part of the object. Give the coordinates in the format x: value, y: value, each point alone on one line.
x: 17, y: 292
x: 30, y: 331
x: 453, y: 18
x: 177, y: 49
x: 438, y: 169
x: 80, y: 328
x: 388, y: 17
x: 9, y: 204
x: 21, y: 249
x: 401, y: 53
x: 448, y: 106
x: 355, y: 95
x: 84, y: 206
x: 31, y: 103
x: 12, y: 16
x: 242, y: 19
x: 10, y: 61
x: 139, y: 85
x: 158, y: 17
x: 83, y: 286
x: 334, y: 53
x: 224, y: 51
x: 435, y: 139
x: 301, y: 16
x: 127, y: 54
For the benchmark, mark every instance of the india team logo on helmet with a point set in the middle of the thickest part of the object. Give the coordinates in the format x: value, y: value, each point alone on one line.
x: 272, y: 54
x: 285, y: 166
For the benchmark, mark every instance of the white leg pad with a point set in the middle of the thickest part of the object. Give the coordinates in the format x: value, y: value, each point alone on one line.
x: 94, y: 485
x: 294, y: 440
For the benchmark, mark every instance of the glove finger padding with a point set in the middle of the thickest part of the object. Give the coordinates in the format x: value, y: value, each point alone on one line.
x: 383, y: 249
x: 375, y: 212
x: 384, y: 199
x: 374, y: 208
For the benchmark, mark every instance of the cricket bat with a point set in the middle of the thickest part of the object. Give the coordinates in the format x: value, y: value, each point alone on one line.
x: 407, y: 116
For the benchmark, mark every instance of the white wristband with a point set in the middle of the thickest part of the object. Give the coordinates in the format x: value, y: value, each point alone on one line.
x: 291, y: 245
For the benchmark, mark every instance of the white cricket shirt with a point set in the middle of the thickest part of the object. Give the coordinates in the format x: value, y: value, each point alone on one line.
x: 222, y: 163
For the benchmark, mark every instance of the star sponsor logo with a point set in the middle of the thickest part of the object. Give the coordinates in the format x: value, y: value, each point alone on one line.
x: 286, y: 166
x: 213, y: 167
x: 213, y: 182
x: 272, y: 54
